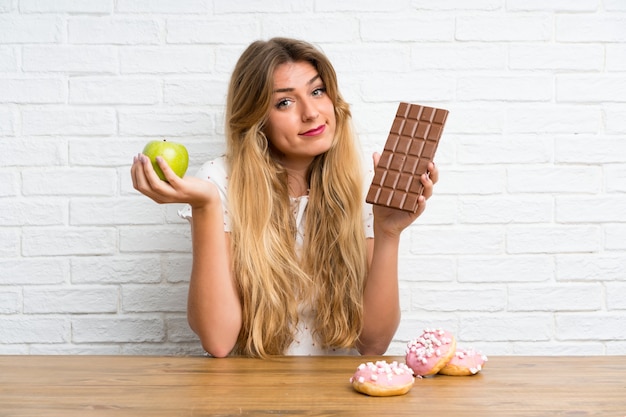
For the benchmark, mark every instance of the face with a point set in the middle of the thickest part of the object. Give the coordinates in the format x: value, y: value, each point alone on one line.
x: 301, y: 122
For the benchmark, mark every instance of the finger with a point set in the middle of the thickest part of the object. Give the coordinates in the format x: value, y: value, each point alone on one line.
x: 428, y: 185
x: 433, y: 172
x: 169, y: 174
x: 375, y: 158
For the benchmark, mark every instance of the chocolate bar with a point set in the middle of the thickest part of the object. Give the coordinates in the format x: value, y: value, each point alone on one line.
x: 410, y: 146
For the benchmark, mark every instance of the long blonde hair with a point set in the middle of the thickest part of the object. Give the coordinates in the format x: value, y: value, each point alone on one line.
x: 272, y: 278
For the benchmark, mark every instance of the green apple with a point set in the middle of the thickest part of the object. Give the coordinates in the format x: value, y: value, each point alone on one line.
x: 175, y: 154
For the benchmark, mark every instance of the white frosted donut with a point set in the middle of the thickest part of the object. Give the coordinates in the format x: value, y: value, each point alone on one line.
x: 464, y: 362
x: 430, y: 352
x: 382, y: 379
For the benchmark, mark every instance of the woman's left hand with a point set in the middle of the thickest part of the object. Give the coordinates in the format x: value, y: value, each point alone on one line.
x: 394, y: 221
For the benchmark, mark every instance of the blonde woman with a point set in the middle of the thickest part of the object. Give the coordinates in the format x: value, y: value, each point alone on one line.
x: 287, y: 257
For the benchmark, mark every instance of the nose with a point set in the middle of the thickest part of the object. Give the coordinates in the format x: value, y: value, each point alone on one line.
x: 309, y: 110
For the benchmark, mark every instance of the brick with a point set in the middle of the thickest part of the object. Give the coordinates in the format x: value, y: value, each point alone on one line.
x: 503, y: 28
x: 9, y: 242
x: 48, y: 300
x: 417, y: 89
x: 577, y: 149
x: 552, y: 239
x: 460, y: 57
x: 10, y: 186
x: 10, y: 301
x: 480, y: 119
x: 36, y: 271
x: 590, y: 327
x: 33, y: 91
x: 259, y: 6
x: 6, y: 6
x: 32, y: 152
x: 553, y: 6
x: 614, y: 5
x: 8, y: 59
x: 590, y: 267
x: 196, y: 92
x: 458, y: 299
x: 510, y: 149
x: 7, y: 122
x: 579, y: 57
x: 509, y: 88
x: 176, y: 268
x: 69, y: 349
x: 112, y: 152
x: 69, y: 121
x: 505, y: 209
x: 506, y: 327
x: 471, y: 181
x: 70, y: 59
x: 211, y: 31
x: 596, y: 209
x: 583, y: 28
x: 411, y: 328
x: 19, y: 29
x: 457, y: 5
x: 457, y: 241
x: 154, y: 298
x: 325, y: 29
x: 442, y: 210
x: 393, y: 58
x: 558, y: 348
x: 69, y: 181
x: 65, y: 6
x: 408, y: 28
x: 616, y: 296
x: 166, y: 60
x: 151, y: 239
x: 114, y: 91
x: 591, y: 88
x: 615, y: 178
x: 614, y: 237
x: 518, y: 268
x: 178, y: 331
x: 168, y: 123
x: 551, y: 119
x: 613, y: 118
x: 114, y: 31
x: 33, y: 213
x: 68, y: 241
x: 34, y: 330
x: 359, y: 6
x: 163, y: 6
x: 427, y: 268
x: 554, y: 179
x: 116, y: 269
x: 120, y: 330
x: 562, y: 297
x: 615, y: 57
x: 114, y: 211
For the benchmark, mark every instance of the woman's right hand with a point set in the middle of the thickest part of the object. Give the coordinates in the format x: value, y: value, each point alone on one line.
x: 194, y: 191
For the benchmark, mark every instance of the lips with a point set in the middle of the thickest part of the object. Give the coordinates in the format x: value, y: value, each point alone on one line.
x: 314, y: 132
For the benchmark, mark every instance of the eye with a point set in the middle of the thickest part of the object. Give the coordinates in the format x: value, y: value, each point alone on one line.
x: 283, y: 103
x: 320, y: 91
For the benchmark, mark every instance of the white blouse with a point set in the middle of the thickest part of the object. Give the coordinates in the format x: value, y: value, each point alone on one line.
x: 304, y: 344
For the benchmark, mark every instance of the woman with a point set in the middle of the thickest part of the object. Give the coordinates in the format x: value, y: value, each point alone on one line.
x: 284, y: 260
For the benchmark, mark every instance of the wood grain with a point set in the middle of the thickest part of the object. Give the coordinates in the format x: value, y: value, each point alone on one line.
x: 301, y: 386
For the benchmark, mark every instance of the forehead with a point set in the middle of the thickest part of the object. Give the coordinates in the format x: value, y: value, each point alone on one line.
x: 294, y: 74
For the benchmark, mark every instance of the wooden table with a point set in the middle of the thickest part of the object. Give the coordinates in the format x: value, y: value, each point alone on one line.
x: 301, y: 386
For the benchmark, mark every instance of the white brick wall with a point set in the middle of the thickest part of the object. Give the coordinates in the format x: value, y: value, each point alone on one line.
x: 522, y: 249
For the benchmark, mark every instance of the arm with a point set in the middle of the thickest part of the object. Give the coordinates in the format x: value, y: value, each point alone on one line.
x: 381, y: 303
x: 213, y: 310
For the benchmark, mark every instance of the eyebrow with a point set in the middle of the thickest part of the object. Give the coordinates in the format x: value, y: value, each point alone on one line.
x: 288, y: 89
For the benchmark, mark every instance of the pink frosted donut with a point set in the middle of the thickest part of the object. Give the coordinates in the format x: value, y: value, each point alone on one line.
x: 464, y: 362
x: 430, y: 352
x: 382, y: 379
